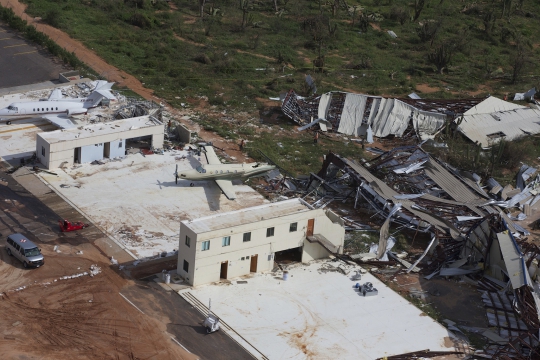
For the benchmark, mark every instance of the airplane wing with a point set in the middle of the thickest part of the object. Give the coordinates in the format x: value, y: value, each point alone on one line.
x: 56, y: 94
x: 227, y: 187
x: 62, y: 121
x: 211, y: 156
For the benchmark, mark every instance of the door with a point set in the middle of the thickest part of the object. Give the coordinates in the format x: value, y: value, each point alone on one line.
x: 253, y: 265
x: 107, y: 150
x: 224, y: 268
x: 77, y: 155
x: 310, y: 226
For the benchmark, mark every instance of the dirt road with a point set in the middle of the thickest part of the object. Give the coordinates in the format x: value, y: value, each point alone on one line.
x: 99, y: 65
x: 44, y: 315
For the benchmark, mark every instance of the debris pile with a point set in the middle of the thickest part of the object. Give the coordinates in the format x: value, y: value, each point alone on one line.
x: 483, y: 121
x: 473, y: 236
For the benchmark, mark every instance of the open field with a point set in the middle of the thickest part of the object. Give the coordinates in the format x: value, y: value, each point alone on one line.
x: 174, y: 51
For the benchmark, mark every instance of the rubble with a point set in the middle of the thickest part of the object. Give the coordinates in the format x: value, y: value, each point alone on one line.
x: 473, y: 235
x: 483, y: 121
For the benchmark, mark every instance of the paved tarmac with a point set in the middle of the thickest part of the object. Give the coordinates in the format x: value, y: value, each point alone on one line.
x: 24, y: 63
x: 185, y: 322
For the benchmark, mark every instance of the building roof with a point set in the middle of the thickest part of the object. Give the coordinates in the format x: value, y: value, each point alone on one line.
x: 510, y: 125
x: 246, y: 216
x: 88, y: 131
x: 492, y: 104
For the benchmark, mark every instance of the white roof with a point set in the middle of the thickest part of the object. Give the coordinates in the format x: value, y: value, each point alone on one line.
x: 88, y: 131
x: 492, y: 104
x: 512, y: 123
x: 246, y: 216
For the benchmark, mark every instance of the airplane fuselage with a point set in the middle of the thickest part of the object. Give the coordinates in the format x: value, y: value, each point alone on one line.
x: 31, y: 108
x: 225, y: 171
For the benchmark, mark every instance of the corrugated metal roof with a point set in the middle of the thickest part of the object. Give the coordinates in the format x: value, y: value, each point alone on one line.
x: 515, y: 265
x: 387, y: 192
x: 449, y: 183
x: 492, y: 104
x: 512, y: 124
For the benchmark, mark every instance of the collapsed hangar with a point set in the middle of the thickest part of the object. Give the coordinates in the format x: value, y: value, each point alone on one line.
x: 95, y: 142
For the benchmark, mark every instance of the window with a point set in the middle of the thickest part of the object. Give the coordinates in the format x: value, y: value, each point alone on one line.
x: 47, y: 109
x: 247, y: 237
x: 186, y: 266
x: 270, y: 232
x: 34, y: 109
x: 188, y: 241
x: 56, y: 108
x: 226, y: 241
x: 293, y: 227
x: 205, y: 245
x: 42, y: 109
x: 120, y: 144
x: 43, y: 150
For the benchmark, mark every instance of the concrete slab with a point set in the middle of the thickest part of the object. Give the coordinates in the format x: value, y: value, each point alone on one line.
x: 136, y: 201
x: 321, y: 315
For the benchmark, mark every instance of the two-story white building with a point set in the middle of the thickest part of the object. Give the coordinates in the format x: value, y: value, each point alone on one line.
x: 235, y: 243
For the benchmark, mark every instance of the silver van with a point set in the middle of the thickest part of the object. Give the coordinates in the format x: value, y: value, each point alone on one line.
x: 24, y: 250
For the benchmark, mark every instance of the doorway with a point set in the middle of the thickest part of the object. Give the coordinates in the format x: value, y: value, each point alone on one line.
x: 310, y: 226
x: 107, y: 150
x: 77, y: 155
x: 224, y: 268
x: 289, y: 256
x: 253, y: 265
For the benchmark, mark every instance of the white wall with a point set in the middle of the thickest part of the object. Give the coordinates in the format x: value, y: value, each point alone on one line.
x: 187, y: 253
x: 61, y: 150
x: 207, y: 265
x: 118, y: 148
x: 91, y: 152
x: 43, y: 150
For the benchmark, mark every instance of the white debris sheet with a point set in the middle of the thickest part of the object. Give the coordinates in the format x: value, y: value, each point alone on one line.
x: 135, y: 200
x: 319, y: 315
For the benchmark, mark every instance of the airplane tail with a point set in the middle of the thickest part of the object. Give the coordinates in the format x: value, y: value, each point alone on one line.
x: 102, y: 90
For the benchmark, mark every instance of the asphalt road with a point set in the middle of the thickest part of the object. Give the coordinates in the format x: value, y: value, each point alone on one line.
x: 185, y: 322
x: 24, y: 63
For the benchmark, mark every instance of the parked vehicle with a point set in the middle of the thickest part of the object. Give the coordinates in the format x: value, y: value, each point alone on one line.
x: 24, y: 250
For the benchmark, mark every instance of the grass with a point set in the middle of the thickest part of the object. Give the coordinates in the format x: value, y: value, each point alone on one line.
x: 143, y: 38
x: 170, y: 49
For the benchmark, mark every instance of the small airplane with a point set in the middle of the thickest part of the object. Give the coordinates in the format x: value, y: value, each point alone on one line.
x: 56, y: 109
x: 222, y: 174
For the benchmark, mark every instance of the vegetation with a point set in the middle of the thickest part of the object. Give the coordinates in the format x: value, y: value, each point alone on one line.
x: 292, y: 150
x: 237, y: 53
x: 197, y: 48
x: 501, y: 161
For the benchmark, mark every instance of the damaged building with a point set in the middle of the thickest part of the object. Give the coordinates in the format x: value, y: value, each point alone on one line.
x: 237, y: 243
x: 471, y: 234
x: 482, y: 121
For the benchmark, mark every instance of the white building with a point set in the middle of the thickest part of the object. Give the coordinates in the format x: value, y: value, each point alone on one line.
x: 94, y: 142
x: 235, y: 243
